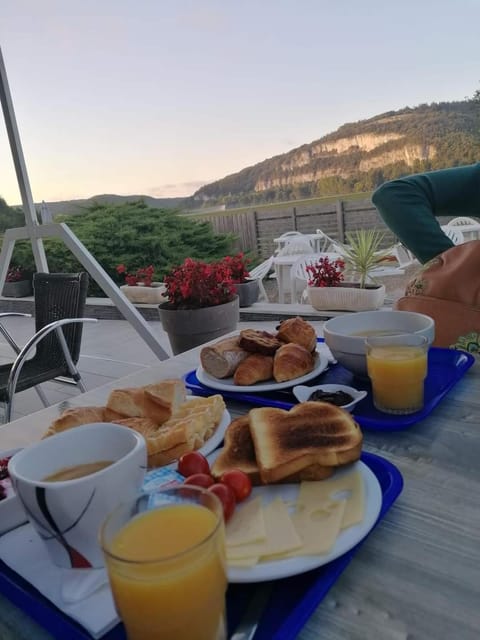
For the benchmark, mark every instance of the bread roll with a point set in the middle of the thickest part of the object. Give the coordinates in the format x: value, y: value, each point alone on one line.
x: 292, y: 361
x: 299, y: 331
x: 253, y: 369
x: 222, y: 359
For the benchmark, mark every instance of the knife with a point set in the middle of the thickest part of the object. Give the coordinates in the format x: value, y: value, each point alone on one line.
x: 251, y: 618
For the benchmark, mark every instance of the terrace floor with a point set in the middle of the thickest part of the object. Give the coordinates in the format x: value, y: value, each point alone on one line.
x: 111, y: 348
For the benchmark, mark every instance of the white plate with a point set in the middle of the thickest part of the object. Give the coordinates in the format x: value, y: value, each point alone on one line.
x: 227, y: 384
x: 213, y: 442
x: 346, y: 540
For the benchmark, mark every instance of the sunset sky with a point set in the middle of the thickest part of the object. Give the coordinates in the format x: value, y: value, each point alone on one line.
x: 157, y: 97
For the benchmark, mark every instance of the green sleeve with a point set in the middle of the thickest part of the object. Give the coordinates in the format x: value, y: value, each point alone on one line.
x: 409, y: 206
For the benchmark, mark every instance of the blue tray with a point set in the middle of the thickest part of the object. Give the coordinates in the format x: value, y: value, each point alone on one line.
x: 292, y: 600
x: 445, y: 368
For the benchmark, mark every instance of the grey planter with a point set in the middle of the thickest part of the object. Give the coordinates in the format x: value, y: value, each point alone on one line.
x: 189, y: 328
x: 247, y: 292
x: 19, y: 289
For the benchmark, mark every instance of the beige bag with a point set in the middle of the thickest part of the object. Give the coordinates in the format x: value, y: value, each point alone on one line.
x: 447, y: 289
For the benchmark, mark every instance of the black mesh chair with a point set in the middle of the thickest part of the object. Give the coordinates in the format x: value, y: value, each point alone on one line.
x: 59, y: 307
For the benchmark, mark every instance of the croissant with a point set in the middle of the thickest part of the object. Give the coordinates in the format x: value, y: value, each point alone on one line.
x: 292, y: 361
x: 253, y: 369
x: 299, y: 331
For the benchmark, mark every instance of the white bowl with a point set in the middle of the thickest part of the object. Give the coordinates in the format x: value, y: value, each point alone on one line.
x: 303, y: 393
x: 12, y: 514
x: 348, y: 347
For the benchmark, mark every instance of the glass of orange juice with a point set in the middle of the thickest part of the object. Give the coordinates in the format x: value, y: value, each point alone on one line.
x: 165, y: 556
x: 397, y: 367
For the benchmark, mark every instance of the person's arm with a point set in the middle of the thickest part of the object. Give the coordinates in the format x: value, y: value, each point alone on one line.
x: 409, y: 206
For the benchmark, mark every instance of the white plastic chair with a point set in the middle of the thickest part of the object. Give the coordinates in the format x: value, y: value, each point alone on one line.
x: 404, y: 256
x: 455, y: 235
x: 259, y: 273
x: 300, y: 276
x: 462, y: 220
x: 299, y: 244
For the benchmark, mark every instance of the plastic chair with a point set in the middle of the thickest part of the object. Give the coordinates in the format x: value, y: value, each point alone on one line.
x: 300, y: 244
x: 462, y: 220
x: 404, y: 256
x: 455, y: 235
x: 259, y: 273
x: 59, y: 301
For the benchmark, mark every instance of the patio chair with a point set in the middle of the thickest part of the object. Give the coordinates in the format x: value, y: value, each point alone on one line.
x: 59, y: 300
x: 299, y: 244
x: 299, y: 275
x: 454, y: 233
x: 462, y: 221
x: 404, y: 256
x: 259, y: 273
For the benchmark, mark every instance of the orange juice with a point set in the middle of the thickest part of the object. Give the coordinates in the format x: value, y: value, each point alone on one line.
x: 168, y: 576
x: 397, y: 373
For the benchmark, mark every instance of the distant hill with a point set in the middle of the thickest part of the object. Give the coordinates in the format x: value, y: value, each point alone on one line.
x: 72, y: 207
x: 357, y: 157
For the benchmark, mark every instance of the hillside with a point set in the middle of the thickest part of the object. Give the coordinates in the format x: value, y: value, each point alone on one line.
x: 72, y: 207
x: 358, y: 156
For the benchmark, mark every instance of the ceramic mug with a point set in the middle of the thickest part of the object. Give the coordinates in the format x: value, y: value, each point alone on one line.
x: 67, y: 514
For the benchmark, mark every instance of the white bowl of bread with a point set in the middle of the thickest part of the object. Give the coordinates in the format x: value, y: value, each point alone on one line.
x: 345, y: 335
x: 171, y: 423
x: 255, y: 356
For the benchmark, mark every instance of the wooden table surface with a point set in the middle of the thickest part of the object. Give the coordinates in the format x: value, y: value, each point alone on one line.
x: 417, y: 577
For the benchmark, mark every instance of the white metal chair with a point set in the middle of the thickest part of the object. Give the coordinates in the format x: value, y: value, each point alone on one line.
x: 455, y: 235
x: 259, y: 273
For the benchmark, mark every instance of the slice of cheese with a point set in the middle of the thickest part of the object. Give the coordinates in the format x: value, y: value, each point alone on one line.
x: 280, y: 534
x: 245, y: 563
x: 246, y: 525
x: 348, y: 486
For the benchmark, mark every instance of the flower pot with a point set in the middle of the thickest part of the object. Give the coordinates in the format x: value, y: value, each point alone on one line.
x: 19, y: 289
x: 247, y: 292
x: 188, y: 328
x: 140, y: 294
x: 346, y: 298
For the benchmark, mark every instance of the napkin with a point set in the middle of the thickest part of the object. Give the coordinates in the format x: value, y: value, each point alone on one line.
x: 82, y: 594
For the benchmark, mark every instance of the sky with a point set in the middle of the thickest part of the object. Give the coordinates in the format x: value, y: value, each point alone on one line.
x: 158, y: 97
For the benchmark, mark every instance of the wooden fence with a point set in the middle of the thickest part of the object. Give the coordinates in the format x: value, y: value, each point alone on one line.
x: 255, y: 230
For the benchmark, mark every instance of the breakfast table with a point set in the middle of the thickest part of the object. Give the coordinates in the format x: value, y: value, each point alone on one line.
x: 417, y: 574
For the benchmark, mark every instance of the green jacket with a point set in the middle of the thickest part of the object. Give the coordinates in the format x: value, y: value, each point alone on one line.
x: 409, y: 206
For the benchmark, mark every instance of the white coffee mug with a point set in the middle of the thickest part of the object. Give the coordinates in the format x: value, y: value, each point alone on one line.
x: 67, y: 514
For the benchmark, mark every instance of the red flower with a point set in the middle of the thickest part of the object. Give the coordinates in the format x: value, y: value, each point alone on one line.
x: 196, y: 284
x: 143, y: 276
x: 325, y: 273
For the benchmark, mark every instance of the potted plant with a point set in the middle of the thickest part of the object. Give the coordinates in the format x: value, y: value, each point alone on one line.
x: 246, y: 287
x: 18, y: 283
x: 140, y: 287
x: 327, y: 287
x: 202, y: 303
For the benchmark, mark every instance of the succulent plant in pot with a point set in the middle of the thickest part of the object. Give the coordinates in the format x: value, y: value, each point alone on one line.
x: 362, y: 253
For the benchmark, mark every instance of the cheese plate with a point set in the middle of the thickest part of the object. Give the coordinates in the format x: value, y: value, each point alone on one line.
x: 346, y: 540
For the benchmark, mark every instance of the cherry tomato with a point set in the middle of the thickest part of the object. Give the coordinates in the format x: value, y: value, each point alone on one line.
x: 193, y: 462
x: 239, y: 482
x: 200, y: 480
x: 227, y: 498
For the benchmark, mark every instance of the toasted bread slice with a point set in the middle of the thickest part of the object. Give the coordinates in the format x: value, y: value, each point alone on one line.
x: 239, y: 453
x: 310, y: 433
